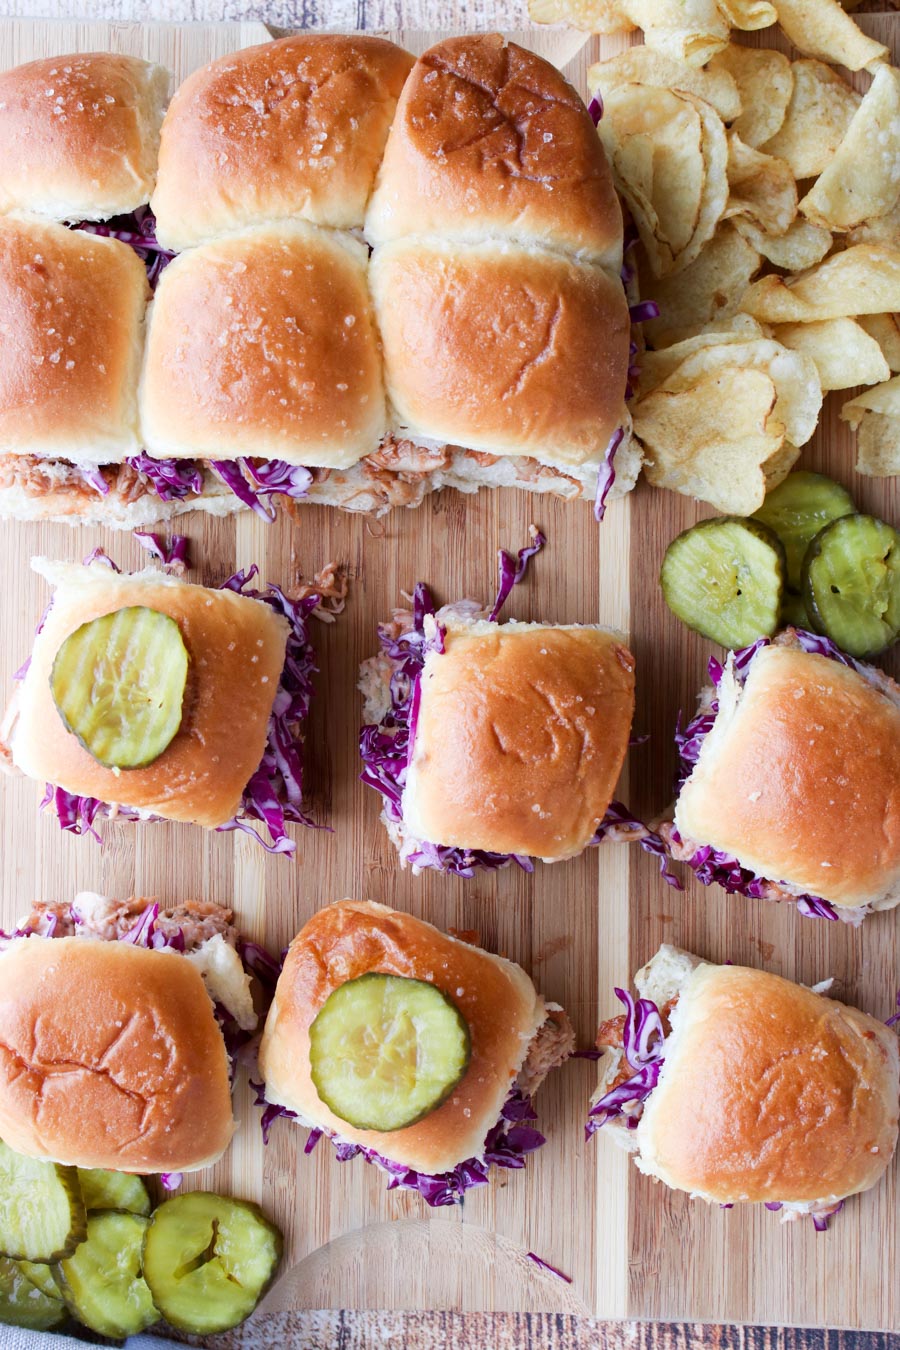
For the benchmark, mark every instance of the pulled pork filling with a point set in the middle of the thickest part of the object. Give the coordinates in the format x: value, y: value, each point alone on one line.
x: 201, y: 931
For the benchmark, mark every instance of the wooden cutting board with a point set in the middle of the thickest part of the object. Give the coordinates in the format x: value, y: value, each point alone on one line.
x: 631, y: 1248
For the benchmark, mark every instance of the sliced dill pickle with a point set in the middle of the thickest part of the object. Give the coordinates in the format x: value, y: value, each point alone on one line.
x: 41, y: 1210
x: 384, y: 1051
x: 113, y: 1190
x: 725, y: 579
x: 851, y: 584
x: 797, y: 509
x: 41, y: 1275
x: 101, y: 1281
x: 23, y: 1304
x: 118, y: 683
x: 208, y: 1260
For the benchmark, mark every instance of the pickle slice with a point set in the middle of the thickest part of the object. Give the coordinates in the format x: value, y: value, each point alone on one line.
x: 113, y: 1190
x: 23, y: 1304
x: 797, y: 509
x: 42, y: 1276
x: 385, y: 1051
x: 725, y: 579
x: 41, y: 1211
x: 851, y: 584
x: 101, y: 1281
x: 208, y: 1260
x: 118, y: 683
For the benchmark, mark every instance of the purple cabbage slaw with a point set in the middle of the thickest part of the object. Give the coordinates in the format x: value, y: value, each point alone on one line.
x: 174, y: 554
x: 507, y: 1144
x: 712, y: 866
x: 274, y: 794
x: 643, y: 1042
x: 137, y: 229
x: 386, y: 747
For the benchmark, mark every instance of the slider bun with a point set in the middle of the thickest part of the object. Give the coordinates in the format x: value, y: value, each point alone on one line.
x: 799, y: 778
x: 236, y: 648
x: 79, y: 135
x: 263, y: 344
x: 521, y: 735
x: 71, y: 315
x: 495, y: 997
x: 489, y: 139
x: 290, y: 128
x: 500, y: 348
x: 770, y: 1092
x: 110, y: 1056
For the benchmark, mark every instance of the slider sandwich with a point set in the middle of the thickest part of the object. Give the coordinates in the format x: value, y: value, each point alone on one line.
x: 414, y: 1049
x: 147, y: 698
x: 790, y: 780
x: 278, y: 359
x: 118, y: 1021
x: 496, y: 743
x: 738, y: 1086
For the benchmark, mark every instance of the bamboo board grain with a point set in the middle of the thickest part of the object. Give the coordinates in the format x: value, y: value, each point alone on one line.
x: 632, y: 1249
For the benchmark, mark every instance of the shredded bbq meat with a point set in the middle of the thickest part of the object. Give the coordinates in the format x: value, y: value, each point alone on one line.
x: 198, y: 920
x: 610, y: 1036
x: 330, y: 585
x: 551, y: 1045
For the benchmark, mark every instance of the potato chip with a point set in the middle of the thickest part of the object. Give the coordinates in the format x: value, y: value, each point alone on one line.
x: 765, y: 82
x: 685, y: 30
x: 657, y: 366
x: 864, y: 279
x: 863, y: 178
x: 589, y: 16
x: 642, y: 65
x: 748, y: 15
x: 760, y: 187
x: 802, y: 246
x: 668, y: 153
x: 717, y: 439
x: 822, y: 28
x: 818, y: 115
x: 710, y: 288
x: 844, y: 353
x: 796, y: 380
x: 880, y: 230
x: 876, y: 416
x: 878, y: 446
x: 885, y: 329
x: 883, y: 398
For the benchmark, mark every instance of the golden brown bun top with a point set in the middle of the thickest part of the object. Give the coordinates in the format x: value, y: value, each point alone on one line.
x: 770, y: 1092
x: 801, y: 781
x: 521, y: 735
x: 295, y: 127
x: 71, y: 312
x: 236, y: 647
x: 496, y: 998
x: 489, y: 139
x: 263, y: 344
x: 502, y: 349
x: 110, y: 1056
x: 79, y: 135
